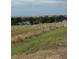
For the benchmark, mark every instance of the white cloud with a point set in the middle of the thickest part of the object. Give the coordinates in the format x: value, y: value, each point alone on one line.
x: 20, y: 2
x: 40, y: 7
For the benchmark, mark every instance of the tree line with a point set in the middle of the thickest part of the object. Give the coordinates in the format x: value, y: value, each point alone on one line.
x: 36, y: 20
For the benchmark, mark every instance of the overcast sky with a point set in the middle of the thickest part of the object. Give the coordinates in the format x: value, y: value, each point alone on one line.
x: 38, y: 7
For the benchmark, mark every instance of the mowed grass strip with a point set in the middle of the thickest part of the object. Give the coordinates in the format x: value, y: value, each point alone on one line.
x: 53, y: 39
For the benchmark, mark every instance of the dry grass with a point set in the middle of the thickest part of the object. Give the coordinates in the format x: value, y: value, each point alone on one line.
x: 52, y: 39
x: 19, y: 33
x: 59, y: 53
x: 31, y: 45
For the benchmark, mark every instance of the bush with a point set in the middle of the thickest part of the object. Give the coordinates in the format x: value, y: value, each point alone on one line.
x: 36, y: 20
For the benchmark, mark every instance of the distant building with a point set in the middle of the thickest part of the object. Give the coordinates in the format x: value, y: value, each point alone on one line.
x: 24, y: 23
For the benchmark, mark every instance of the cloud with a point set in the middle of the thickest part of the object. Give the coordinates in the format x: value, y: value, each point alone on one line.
x: 37, y: 3
x: 21, y: 2
x: 38, y: 7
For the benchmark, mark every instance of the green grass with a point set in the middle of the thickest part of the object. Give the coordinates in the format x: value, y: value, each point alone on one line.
x: 53, y: 39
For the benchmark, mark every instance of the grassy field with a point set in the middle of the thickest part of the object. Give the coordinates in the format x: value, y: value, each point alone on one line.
x: 20, y: 29
x: 49, y: 40
x: 41, y: 41
x: 59, y: 53
x: 21, y: 32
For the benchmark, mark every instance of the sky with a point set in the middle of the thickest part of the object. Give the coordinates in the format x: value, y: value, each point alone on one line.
x: 38, y: 7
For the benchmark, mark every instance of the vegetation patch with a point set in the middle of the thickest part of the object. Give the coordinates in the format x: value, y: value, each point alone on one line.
x: 52, y: 39
x: 21, y: 32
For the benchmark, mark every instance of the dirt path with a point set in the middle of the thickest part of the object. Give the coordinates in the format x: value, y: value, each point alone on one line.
x: 60, y: 53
